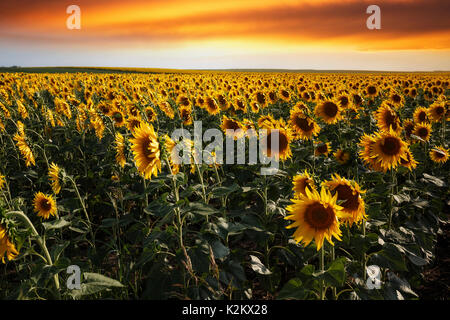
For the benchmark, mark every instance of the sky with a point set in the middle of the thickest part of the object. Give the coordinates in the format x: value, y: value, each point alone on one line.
x: 214, y: 34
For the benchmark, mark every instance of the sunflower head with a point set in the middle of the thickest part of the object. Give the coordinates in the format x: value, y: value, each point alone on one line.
x: 211, y: 106
x: 185, y: 115
x: 423, y: 130
x: 408, y: 160
x: 304, y: 126
x: 282, y: 138
x: 439, y: 154
x: 329, y: 111
x: 54, y: 174
x: 420, y: 115
x: 146, y: 151
x: 342, y: 156
x: 315, y: 216
x: 231, y: 124
x: 349, y: 193
x: 44, y: 205
x: 322, y: 149
x: 7, y: 248
x: 387, y: 119
x: 301, y: 182
x: 387, y: 150
x: 2, y: 181
x: 437, y: 111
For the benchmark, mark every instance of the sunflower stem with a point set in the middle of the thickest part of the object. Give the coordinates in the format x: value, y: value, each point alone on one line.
x: 41, y: 243
x: 391, y: 199
x: 84, y: 210
x: 333, y: 257
x: 322, y: 268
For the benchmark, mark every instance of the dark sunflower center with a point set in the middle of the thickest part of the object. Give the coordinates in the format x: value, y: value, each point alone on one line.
x: 283, y: 142
x: 118, y: 117
x: 391, y: 146
x: 439, y: 155
x: 260, y: 98
x: 230, y: 124
x: 146, y: 149
x: 344, y: 101
x: 346, y: 193
x: 184, y: 115
x: 423, y: 132
x: 319, y: 217
x: 284, y: 93
x: 322, y: 148
x: 46, y: 205
x: 303, y: 124
x: 330, y: 109
x: 422, y: 116
x: 372, y: 90
x: 439, y: 110
x: 396, y: 98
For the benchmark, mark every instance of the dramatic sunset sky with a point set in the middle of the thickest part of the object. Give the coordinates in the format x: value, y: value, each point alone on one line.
x: 201, y: 34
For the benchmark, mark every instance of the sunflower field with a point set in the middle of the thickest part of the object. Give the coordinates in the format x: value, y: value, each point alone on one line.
x: 87, y: 182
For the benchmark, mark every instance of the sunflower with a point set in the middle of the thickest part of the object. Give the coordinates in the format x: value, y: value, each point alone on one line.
x: 165, y: 107
x: 53, y: 175
x: 372, y: 91
x: 24, y: 149
x: 316, y: 216
x: 439, y: 154
x: 261, y: 98
x: 145, y: 147
x: 284, y: 94
x: 408, y: 161
x: 342, y: 156
x: 266, y: 121
x: 169, y: 146
x: 322, y: 149
x: 151, y: 114
x: 133, y: 123
x: 239, y: 104
x: 2, y: 181
x: 254, y: 106
x: 249, y: 127
x: 120, y: 147
x: 423, y: 130
x: 436, y: 111
x: 301, y: 182
x: 329, y: 111
x: 387, y: 119
x: 304, y: 126
x: 420, y: 115
x: 211, y: 106
x: 186, y: 115
x: 231, y: 124
x: 408, y: 127
x: 350, y: 193
x: 183, y: 101
x: 385, y: 150
x: 44, y: 205
x: 396, y: 99
x: 118, y: 118
x: 6, y: 246
x: 222, y: 101
x: 283, y: 151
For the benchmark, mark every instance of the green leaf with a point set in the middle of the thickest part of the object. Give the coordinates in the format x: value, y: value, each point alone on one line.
x: 292, y: 290
x: 436, y: 181
x: 94, y: 283
x: 56, y: 224
x: 258, y: 266
x: 200, y: 208
x: 389, y: 257
x: 224, y: 191
x: 220, y: 251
